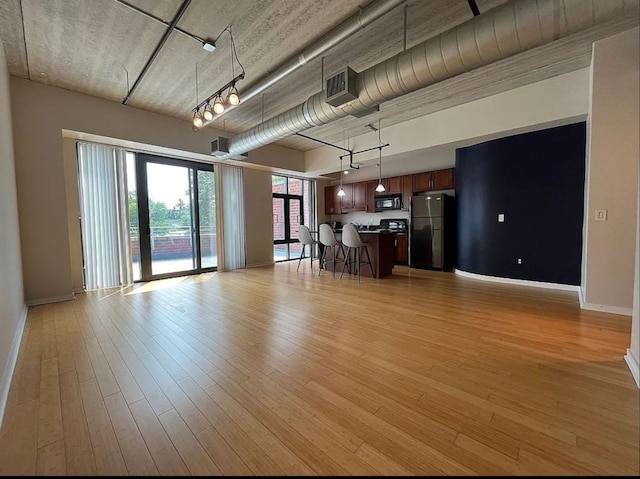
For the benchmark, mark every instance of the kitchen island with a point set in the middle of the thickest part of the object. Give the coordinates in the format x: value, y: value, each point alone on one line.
x: 381, y: 246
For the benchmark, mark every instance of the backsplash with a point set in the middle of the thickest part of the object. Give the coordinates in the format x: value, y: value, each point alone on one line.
x: 362, y: 218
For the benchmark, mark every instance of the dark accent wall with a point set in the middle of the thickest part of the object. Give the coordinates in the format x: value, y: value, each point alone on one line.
x: 537, y: 181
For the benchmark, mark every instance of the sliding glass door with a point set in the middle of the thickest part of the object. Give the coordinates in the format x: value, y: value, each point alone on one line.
x: 176, y: 217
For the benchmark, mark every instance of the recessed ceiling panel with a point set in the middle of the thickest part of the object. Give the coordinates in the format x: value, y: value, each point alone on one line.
x: 88, y: 46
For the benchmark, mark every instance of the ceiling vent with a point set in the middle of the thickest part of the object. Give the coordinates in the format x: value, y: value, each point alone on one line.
x: 220, y: 149
x: 341, y: 87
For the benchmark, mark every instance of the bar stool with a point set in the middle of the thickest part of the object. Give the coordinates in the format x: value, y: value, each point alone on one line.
x: 305, y: 238
x: 351, y: 239
x: 328, y: 240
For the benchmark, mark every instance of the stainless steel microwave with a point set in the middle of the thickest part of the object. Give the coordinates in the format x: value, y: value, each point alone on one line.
x: 388, y: 202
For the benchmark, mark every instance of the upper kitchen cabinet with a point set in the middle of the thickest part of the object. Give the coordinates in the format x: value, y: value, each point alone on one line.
x: 443, y: 179
x: 360, y: 196
x: 394, y: 185
x: 331, y: 200
x: 407, y: 191
x: 370, y: 192
x: 433, y: 180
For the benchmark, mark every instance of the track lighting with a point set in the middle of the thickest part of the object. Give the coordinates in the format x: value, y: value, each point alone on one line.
x: 233, y: 98
x: 197, y: 119
x: 214, y: 104
x: 218, y: 106
x: 207, y: 114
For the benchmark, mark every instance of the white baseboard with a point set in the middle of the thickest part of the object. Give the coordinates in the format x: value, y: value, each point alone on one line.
x: 5, y: 384
x: 603, y: 308
x: 519, y: 282
x: 54, y: 299
x: 634, y: 366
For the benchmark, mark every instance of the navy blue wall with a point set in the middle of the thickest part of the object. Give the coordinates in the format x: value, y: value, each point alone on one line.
x: 537, y: 180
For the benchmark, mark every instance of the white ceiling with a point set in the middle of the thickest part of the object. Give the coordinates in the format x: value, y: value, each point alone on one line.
x: 89, y: 45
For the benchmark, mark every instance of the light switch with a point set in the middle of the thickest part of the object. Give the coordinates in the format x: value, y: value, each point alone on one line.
x: 601, y: 215
x: 501, y: 218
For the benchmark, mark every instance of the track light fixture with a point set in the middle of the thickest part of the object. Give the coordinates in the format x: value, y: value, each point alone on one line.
x: 214, y: 104
x: 218, y: 106
x: 197, y: 119
x: 207, y: 114
x: 233, y: 98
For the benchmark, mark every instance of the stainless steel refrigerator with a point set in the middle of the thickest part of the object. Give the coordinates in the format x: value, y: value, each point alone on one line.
x: 432, y: 232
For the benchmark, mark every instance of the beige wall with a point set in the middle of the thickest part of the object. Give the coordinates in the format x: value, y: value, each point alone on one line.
x: 612, y: 174
x: 12, y: 307
x: 258, y: 217
x: 40, y: 114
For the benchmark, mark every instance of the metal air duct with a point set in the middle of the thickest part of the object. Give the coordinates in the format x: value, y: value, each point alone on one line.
x: 506, y: 30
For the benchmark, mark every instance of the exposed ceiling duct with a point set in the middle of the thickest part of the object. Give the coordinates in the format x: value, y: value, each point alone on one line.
x: 353, y: 24
x: 506, y: 30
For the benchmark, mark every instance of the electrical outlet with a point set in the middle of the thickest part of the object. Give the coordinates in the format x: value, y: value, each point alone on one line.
x: 519, y: 261
x: 601, y: 215
x: 501, y: 218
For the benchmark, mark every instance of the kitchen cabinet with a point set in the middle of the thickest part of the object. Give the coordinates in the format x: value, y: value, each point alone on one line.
x: 442, y: 179
x: 331, y: 200
x: 370, y: 192
x: 407, y: 191
x: 394, y: 185
x: 355, y: 197
x: 401, y: 248
x: 360, y: 196
x: 433, y: 180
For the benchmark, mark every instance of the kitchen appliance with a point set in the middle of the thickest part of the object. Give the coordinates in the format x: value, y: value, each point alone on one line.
x: 394, y: 225
x: 388, y: 202
x: 432, y: 232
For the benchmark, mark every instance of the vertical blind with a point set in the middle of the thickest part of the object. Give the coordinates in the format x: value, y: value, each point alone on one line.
x: 104, y: 219
x: 232, y: 212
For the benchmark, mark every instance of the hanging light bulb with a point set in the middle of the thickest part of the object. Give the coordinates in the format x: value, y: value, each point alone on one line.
x: 341, y: 190
x: 218, y: 106
x: 207, y: 113
x: 233, y: 98
x: 197, y: 119
x: 380, y: 188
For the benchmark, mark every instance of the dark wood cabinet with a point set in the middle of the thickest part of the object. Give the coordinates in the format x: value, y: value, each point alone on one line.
x: 402, y: 256
x: 370, y: 201
x: 394, y: 185
x: 442, y: 179
x: 360, y: 196
x: 421, y: 181
x: 407, y: 191
x: 331, y: 201
x: 433, y: 180
x: 354, y: 198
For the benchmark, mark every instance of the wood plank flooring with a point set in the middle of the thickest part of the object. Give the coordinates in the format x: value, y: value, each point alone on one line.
x: 267, y: 371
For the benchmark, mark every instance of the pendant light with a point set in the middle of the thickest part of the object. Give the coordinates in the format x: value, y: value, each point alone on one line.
x: 380, y: 188
x: 341, y: 192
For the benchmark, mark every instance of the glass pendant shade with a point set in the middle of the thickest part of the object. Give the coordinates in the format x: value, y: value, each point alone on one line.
x: 341, y: 192
x: 380, y: 188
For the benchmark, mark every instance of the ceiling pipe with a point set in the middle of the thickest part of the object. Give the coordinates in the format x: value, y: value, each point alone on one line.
x: 156, y: 51
x: 364, y: 16
x: 506, y: 30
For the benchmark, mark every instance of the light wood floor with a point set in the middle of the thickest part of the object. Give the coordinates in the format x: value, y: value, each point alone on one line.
x: 268, y: 371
